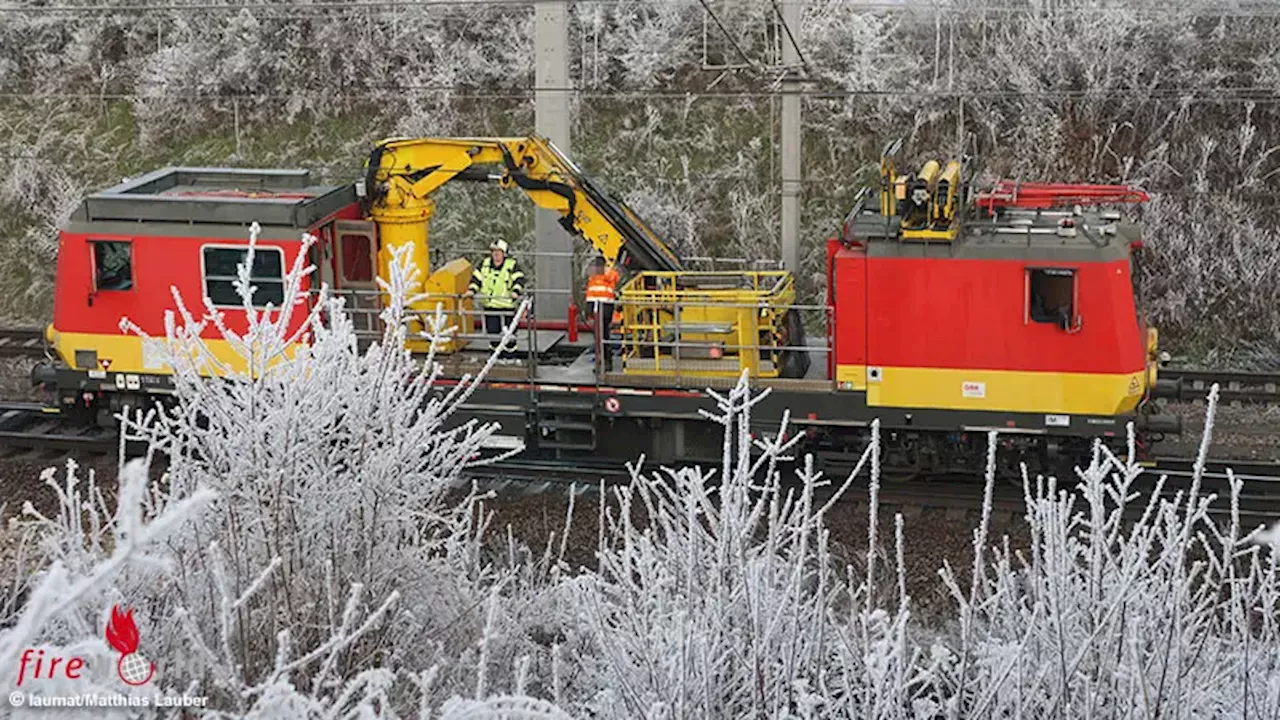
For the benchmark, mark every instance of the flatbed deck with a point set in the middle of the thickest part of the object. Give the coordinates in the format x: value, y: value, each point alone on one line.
x: 581, y: 371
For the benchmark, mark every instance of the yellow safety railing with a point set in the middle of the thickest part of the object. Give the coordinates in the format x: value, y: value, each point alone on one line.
x: 678, y: 330
x: 465, y: 315
x: 705, y: 324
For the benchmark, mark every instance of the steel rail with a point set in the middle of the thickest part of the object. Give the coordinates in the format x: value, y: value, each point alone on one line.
x: 22, y: 342
x: 951, y: 492
x: 18, y: 406
x: 1194, y: 384
x: 26, y: 425
x: 1245, y: 469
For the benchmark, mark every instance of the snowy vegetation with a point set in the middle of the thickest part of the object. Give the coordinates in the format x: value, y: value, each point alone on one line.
x: 303, y: 556
x: 1176, y: 97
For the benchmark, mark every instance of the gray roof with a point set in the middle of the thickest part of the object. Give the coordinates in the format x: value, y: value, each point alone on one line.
x: 225, y: 196
x: 1091, y: 235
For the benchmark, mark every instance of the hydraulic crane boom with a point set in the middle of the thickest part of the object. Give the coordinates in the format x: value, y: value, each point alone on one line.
x: 745, y: 317
x: 402, y: 173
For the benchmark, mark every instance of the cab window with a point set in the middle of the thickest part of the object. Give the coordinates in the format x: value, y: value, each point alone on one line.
x: 357, y: 258
x: 112, y: 264
x: 1052, y: 296
x: 221, y: 270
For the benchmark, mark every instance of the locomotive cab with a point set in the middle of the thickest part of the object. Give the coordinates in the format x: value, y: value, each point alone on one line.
x: 1027, y: 311
x: 125, y: 249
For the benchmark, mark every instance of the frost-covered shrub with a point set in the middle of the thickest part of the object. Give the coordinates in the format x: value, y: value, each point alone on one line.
x: 88, y: 559
x: 331, y: 571
x: 335, y: 465
x: 716, y: 597
x: 41, y: 196
x: 1123, y: 605
x: 719, y: 597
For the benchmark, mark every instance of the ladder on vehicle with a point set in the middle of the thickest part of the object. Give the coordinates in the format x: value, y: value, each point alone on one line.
x: 565, y: 421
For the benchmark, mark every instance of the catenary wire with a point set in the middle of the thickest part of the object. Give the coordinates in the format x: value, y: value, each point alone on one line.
x: 1259, y: 95
x: 1259, y: 10
x: 344, y: 170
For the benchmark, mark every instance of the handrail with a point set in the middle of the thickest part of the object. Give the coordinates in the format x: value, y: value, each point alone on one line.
x: 659, y: 337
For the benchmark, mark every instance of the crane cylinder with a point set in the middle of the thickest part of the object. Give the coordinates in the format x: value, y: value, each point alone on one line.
x: 400, y: 227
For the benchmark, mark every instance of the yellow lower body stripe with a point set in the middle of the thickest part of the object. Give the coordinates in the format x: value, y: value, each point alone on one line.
x: 132, y: 354
x: 999, y: 390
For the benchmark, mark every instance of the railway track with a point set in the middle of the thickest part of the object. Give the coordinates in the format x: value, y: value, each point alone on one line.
x: 1244, y: 387
x: 25, y: 427
x: 22, y: 342
x: 957, y: 495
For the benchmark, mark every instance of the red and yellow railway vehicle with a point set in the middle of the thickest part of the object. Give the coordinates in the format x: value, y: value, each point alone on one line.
x: 1019, y: 315
x: 948, y: 313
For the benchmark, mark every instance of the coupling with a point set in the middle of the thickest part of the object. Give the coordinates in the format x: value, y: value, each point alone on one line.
x: 44, y: 373
x: 1158, y: 423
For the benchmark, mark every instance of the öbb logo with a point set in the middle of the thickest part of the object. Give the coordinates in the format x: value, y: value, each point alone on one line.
x: 122, y: 633
x: 132, y: 667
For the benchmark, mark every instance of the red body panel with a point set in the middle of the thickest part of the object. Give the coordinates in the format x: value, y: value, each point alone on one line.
x: 971, y: 314
x: 159, y: 264
x: 849, y: 300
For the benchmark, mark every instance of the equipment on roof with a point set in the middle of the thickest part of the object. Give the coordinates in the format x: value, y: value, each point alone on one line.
x: 928, y: 204
x: 926, y: 201
x: 1013, y: 194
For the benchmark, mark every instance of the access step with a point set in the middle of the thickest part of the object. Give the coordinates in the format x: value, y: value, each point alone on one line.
x: 584, y: 405
x: 564, y: 445
x: 558, y: 424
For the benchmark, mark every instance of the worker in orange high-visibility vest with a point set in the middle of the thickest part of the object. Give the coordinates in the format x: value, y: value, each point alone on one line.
x: 601, y: 296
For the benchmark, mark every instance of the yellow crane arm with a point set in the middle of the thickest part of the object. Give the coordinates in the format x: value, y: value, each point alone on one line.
x: 402, y: 173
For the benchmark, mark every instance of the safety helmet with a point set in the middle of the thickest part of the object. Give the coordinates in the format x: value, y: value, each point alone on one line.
x: 498, y: 245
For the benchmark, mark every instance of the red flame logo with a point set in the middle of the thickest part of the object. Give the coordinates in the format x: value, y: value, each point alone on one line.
x: 122, y: 633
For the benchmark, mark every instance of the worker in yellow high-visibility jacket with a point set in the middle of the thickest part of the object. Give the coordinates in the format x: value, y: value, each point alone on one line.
x: 498, y: 282
x: 602, y: 296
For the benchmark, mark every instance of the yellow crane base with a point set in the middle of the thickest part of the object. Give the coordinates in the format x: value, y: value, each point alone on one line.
x: 443, y: 290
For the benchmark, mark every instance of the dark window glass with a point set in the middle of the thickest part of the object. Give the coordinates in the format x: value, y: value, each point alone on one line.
x: 221, y: 270
x: 1052, y: 294
x: 357, y: 258
x: 112, y: 264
